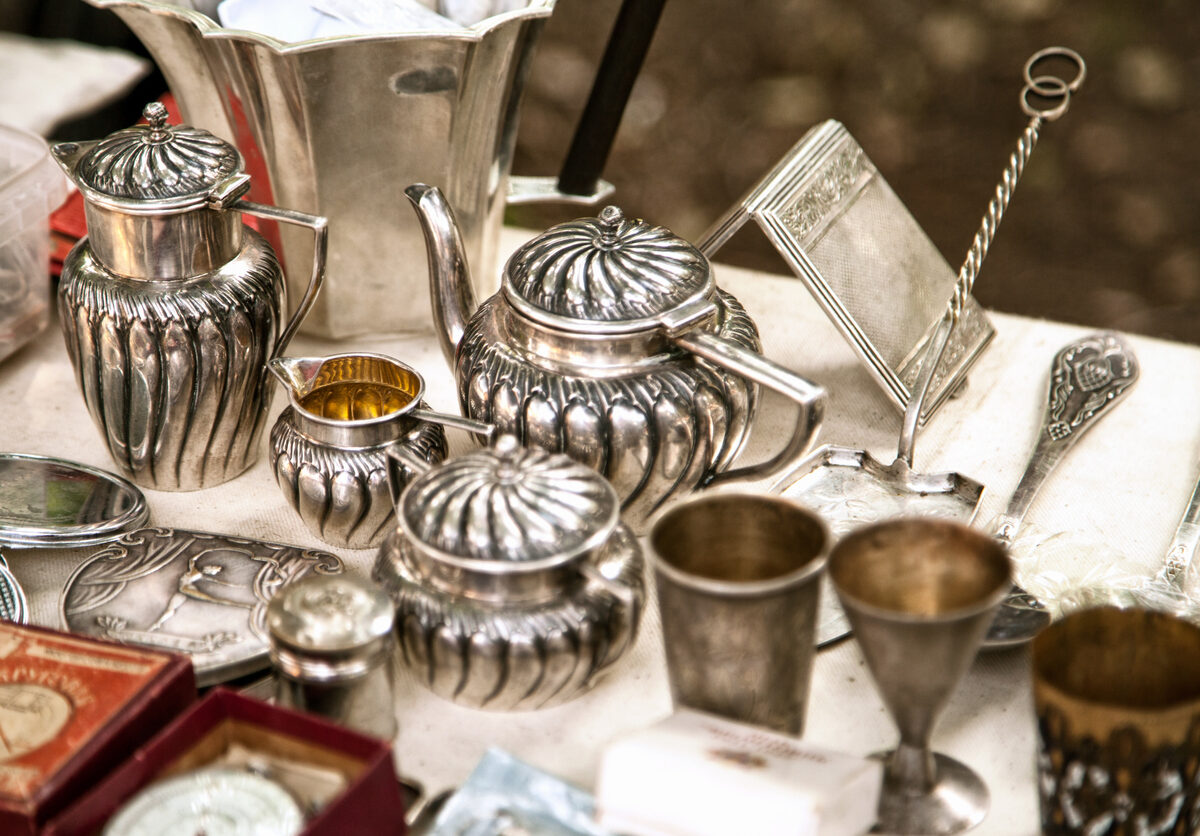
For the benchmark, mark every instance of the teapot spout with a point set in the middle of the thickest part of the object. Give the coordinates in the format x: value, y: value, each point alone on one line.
x: 68, y: 155
x: 450, y: 287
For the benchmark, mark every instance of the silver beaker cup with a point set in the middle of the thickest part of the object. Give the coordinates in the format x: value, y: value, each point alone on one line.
x: 737, y: 584
x: 340, y: 124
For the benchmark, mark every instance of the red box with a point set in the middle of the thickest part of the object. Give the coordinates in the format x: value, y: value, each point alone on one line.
x: 72, y: 708
x: 371, y: 803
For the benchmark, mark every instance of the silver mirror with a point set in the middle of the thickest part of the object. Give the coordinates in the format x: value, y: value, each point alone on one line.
x: 53, y: 503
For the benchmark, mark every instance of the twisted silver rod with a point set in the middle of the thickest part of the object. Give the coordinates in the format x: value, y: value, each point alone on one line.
x: 991, y: 220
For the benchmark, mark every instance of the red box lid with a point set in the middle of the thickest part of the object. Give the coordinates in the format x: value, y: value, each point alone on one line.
x: 70, y: 709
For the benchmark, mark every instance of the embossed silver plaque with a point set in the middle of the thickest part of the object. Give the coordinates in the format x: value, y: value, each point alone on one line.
x: 14, y: 606
x: 190, y: 592
x: 866, y: 261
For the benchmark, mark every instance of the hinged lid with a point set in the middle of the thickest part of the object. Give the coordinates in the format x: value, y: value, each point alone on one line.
x: 170, y: 167
x: 609, y: 274
x: 510, y: 503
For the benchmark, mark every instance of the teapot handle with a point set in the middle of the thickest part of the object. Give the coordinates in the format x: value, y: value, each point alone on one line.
x: 320, y: 227
x: 809, y: 397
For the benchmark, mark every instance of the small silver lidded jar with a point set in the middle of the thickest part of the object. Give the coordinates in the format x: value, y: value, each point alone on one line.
x: 332, y: 646
x: 516, y: 584
x: 328, y: 447
x: 171, y: 306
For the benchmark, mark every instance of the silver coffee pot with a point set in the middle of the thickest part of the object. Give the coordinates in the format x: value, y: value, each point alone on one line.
x: 171, y: 306
x: 609, y: 341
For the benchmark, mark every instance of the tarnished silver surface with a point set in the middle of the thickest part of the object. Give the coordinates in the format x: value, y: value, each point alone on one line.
x: 60, y: 504
x: 609, y: 342
x: 736, y: 576
x: 516, y: 586
x: 329, y: 456
x: 14, y: 606
x: 920, y: 595
x: 1088, y: 377
x: 331, y: 646
x: 214, y: 802
x: 190, y: 592
x: 171, y: 307
x: 434, y: 106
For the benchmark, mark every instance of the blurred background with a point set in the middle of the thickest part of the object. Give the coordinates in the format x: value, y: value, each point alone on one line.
x: 1103, y: 229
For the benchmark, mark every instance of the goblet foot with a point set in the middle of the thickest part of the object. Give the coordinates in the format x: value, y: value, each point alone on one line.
x: 957, y: 801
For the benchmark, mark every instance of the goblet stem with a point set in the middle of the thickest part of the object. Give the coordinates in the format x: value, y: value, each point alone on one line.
x: 911, y: 769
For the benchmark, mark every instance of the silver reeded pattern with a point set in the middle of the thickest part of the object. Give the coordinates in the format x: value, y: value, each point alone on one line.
x: 171, y: 306
x: 610, y: 342
x: 329, y: 446
x: 920, y: 594
x: 516, y: 586
x: 331, y: 647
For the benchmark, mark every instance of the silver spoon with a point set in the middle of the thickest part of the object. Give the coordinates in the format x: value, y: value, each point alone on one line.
x: 1088, y: 378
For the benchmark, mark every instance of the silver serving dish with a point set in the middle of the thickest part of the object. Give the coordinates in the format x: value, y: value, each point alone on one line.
x: 516, y: 584
x: 54, y: 503
x: 610, y: 342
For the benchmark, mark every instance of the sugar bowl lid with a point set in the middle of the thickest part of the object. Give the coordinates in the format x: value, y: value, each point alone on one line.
x: 509, y: 504
x: 155, y: 166
x: 609, y: 274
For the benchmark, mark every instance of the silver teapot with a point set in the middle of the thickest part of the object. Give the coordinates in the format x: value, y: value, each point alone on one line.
x: 610, y: 342
x: 516, y: 584
x: 171, y: 306
x: 329, y: 446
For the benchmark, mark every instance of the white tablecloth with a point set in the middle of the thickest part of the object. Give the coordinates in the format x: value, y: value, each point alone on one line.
x: 1126, y: 484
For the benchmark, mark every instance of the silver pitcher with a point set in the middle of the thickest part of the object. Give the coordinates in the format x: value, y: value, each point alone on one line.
x: 611, y: 343
x: 516, y: 584
x: 328, y: 447
x: 334, y: 121
x: 171, y: 306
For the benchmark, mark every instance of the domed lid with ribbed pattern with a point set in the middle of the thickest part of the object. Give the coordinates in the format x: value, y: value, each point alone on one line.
x: 611, y: 270
x: 158, y: 162
x: 510, y: 503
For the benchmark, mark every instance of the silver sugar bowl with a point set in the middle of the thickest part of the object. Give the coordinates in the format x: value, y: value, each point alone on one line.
x: 171, y: 306
x: 516, y: 585
x: 610, y: 342
x: 328, y: 446
x: 331, y: 647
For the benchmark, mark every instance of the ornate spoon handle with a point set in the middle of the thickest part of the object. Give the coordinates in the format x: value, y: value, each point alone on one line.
x: 1087, y: 379
x: 1183, y: 546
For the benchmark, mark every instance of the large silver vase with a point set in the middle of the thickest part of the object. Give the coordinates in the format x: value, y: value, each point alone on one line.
x: 339, y: 125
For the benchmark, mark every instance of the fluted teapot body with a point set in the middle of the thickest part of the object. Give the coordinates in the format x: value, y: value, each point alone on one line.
x: 610, y: 342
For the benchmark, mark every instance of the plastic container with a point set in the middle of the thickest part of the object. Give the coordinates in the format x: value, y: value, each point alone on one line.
x: 31, y: 187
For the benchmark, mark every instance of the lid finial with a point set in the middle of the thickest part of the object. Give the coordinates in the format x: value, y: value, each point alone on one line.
x: 610, y: 225
x: 156, y: 114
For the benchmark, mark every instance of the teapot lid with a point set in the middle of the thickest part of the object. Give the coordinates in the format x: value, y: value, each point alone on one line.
x: 168, y: 167
x: 510, y: 503
x: 609, y: 274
